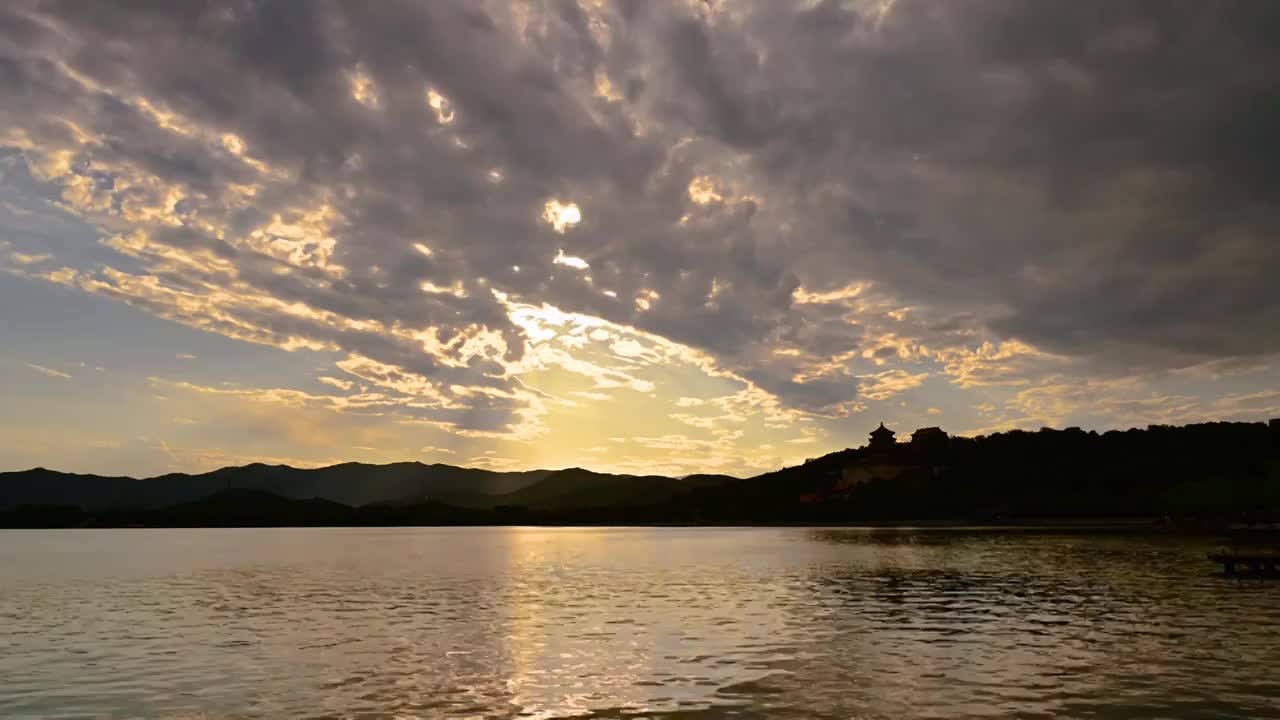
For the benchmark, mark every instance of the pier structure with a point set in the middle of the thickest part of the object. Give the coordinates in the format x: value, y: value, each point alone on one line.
x: 1251, y: 564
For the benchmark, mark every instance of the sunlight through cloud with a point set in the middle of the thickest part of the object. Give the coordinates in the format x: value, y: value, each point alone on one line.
x: 561, y: 216
x: 363, y: 90
x: 702, y: 190
x: 570, y: 260
x: 438, y: 103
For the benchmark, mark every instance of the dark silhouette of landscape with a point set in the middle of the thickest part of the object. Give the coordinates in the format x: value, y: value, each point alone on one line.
x: 1197, y: 476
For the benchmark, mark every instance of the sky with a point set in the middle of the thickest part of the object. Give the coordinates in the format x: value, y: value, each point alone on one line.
x: 646, y: 236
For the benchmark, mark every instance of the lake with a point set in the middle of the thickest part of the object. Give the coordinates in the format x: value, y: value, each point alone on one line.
x: 637, y: 622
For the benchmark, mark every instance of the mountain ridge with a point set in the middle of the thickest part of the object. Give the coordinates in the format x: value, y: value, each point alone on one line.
x: 578, y: 488
x: 1214, y: 469
x: 349, y: 483
x: 352, y: 484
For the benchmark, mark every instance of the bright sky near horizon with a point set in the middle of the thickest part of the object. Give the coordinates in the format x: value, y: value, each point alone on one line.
x: 672, y: 237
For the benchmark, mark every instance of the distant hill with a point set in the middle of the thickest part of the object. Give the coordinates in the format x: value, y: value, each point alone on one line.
x: 1205, y: 473
x: 576, y: 488
x: 240, y: 507
x: 351, y: 484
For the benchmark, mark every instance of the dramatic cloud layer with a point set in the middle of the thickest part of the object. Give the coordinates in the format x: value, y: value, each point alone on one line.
x: 708, y: 235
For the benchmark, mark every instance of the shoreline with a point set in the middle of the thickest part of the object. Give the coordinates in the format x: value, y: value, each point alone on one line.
x: 1081, y: 527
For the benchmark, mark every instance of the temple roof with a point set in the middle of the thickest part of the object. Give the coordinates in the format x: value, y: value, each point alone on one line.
x: 882, y: 430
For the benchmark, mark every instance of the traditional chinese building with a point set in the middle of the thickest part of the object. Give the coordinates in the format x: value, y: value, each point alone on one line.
x: 882, y: 438
x: 929, y: 442
x: 928, y: 433
x: 879, y: 463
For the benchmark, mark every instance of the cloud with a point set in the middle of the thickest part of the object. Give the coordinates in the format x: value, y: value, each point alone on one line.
x: 563, y: 216
x: 884, y: 385
x: 186, y: 356
x: 1118, y: 403
x: 50, y: 372
x: 822, y: 203
x: 335, y: 382
x: 21, y: 258
x: 1264, y: 403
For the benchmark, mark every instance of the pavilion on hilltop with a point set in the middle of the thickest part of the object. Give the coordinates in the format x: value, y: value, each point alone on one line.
x: 882, y: 438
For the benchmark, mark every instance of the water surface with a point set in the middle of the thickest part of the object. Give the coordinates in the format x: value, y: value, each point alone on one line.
x: 682, y: 623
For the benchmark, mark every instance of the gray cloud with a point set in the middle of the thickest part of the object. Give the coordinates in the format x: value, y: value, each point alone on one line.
x: 1084, y: 177
x: 1087, y: 178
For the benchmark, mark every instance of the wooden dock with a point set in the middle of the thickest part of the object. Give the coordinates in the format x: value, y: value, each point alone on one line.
x: 1250, y: 564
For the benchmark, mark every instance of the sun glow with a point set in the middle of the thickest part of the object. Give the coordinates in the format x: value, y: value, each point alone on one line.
x: 571, y: 261
x: 441, y: 106
x: 561, y: 216
x: 702, y: 190
x: 363, y: 89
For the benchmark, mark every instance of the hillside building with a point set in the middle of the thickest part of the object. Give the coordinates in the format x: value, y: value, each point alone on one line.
x: 882, y: 439
x: 930, y: 443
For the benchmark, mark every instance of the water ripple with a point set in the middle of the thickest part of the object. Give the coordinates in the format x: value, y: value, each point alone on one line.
x: 550, y: 623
